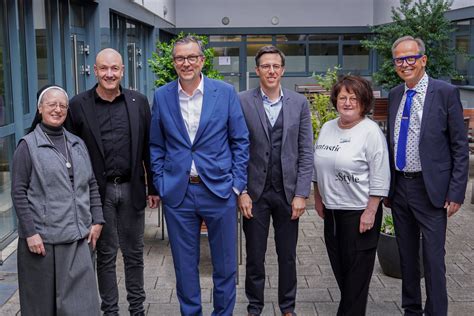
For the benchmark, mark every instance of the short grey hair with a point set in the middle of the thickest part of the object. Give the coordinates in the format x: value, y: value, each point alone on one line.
x: 417, y: 40
x: 186, y: 40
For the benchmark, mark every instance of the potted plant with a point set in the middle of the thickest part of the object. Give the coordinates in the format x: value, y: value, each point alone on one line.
x: 458, y: 79
x: 387, y: 250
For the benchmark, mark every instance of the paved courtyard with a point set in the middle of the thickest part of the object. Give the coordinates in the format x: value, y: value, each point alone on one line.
x: 317, y: 290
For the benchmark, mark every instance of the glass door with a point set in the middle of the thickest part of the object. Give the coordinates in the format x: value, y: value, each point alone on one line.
x: 134, y: 65
x: 229, y: 61
x: 80, y: 69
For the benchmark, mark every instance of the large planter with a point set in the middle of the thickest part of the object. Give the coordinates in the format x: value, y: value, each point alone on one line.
x: 389, y: 258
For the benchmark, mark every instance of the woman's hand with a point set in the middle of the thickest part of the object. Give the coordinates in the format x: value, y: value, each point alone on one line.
x: 367, y: 219
x: 94, y: 235
x: 35, y: 244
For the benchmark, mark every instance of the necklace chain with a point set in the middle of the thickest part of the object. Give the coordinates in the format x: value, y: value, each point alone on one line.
x: 68, y: 164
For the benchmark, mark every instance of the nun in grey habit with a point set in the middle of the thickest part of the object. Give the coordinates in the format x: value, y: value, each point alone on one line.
x: 57, y: 202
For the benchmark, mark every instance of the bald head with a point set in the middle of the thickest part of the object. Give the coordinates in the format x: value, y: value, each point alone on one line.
x: 108, y: 70
x: 108, y: 53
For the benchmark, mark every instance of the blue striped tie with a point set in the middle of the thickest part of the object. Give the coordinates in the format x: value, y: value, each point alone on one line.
x: 402, y: 137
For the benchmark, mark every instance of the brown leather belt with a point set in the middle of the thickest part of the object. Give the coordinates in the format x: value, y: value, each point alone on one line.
x: 194, y: 179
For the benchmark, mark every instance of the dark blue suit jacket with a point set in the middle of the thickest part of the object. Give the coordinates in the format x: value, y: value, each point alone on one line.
x: 443, y: 147
x: 219, y: 151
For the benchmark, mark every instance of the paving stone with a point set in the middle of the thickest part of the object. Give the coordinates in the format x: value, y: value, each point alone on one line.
x: 317, y: 292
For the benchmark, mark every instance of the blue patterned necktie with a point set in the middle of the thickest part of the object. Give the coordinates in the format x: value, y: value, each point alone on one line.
x: 402, y: 137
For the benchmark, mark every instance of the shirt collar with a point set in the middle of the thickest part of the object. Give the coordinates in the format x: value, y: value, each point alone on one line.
x: 97, y: 97
x: 200, y: 88
x: 267, y: 99
x: 420, y: 87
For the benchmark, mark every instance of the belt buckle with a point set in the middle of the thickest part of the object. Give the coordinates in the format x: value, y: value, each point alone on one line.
x: 194, y: 180
x: 117, y: 180
x: 409, y: 175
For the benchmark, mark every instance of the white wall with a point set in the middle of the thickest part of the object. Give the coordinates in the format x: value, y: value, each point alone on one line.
x: 258, y: 13
x: 383, y: 12
x: 291, y: 13
x: 158, y: 7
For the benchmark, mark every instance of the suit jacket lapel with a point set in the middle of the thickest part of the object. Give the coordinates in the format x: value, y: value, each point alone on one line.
x: 427, y: 105
x: 134, y: 120
x: 88, y: 106
x: 172, y: 101
x: 261, y: 111
x: 208, y: 103
x: 286, y: 116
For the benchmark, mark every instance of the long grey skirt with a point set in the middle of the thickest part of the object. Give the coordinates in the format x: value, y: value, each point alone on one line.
x: 60, y: 283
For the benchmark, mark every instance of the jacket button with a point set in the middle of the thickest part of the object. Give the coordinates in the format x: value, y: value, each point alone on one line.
x: 266, y: 153
x: 264, y: 171
x: 103, y: 173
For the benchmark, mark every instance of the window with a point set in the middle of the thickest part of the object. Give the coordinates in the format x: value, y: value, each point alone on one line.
x: 355, y: 58
x: 322, y: 57
x: 295, y: 57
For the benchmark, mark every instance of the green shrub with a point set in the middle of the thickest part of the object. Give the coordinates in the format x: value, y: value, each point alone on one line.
x: 161, y: 62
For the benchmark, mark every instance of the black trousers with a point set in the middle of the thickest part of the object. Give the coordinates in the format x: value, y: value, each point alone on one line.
x: 413, y: 213
x: 271, y: 204
x: 352, y: 256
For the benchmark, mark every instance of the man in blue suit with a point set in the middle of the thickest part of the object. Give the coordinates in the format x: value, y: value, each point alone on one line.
x: 199, y: 153
x: 429, y: 160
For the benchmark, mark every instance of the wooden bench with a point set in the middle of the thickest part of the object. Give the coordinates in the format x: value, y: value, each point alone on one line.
x: 380, y: 113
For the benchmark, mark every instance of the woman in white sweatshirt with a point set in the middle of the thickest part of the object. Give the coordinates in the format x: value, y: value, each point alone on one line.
x: 351, y: 176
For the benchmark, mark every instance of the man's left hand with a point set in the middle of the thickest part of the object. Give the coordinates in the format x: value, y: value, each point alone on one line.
x: 298, y: 206
x: 153, y: 201
x: 452, y: 207
x: 94, y: 234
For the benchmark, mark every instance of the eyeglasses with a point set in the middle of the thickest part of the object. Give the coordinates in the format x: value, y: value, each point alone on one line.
x: 52, y: 106
x: 343, y: 100
x: 275, y: 67
x: 411, y: 60
x: 192, y: 59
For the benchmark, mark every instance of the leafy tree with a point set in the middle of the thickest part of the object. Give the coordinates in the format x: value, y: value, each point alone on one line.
x: 161, y: 62
x: 421, y: 18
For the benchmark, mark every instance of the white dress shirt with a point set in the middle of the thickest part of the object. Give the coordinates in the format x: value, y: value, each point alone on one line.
x: 191, y: 107
x: 413, y: 162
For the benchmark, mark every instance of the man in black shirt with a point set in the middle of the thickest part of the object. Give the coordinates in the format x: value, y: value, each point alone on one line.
x: 114, y: 123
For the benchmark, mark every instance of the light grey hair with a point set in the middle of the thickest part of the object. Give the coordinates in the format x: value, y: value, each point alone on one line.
x: 186, y: 40
x: 41, y: 96
x: 419, y: 42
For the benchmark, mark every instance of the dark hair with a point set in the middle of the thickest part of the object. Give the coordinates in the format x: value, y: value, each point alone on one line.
x: 186, y: 40
x: 269, y: 50
x: 357, y: 85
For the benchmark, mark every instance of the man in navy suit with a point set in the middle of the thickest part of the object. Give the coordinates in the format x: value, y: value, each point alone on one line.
x: 429, y: 161
x: 199, y: 154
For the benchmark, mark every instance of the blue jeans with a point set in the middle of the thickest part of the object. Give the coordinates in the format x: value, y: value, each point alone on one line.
x: 124, y: 227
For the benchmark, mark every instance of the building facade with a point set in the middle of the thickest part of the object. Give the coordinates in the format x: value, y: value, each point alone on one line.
x: 55, y: 41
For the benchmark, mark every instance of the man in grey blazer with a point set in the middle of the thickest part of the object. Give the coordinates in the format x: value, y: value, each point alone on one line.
x: 279, y: 178
x: 429, y: 160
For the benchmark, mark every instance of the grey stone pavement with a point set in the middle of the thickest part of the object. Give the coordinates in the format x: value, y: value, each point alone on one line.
x: 317, y: 289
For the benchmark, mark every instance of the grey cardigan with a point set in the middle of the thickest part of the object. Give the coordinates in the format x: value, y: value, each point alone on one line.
x: 57, y: 209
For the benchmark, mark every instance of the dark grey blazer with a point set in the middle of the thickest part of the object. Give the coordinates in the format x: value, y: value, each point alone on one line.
x: 297, y: 143
x: 444, y: 151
